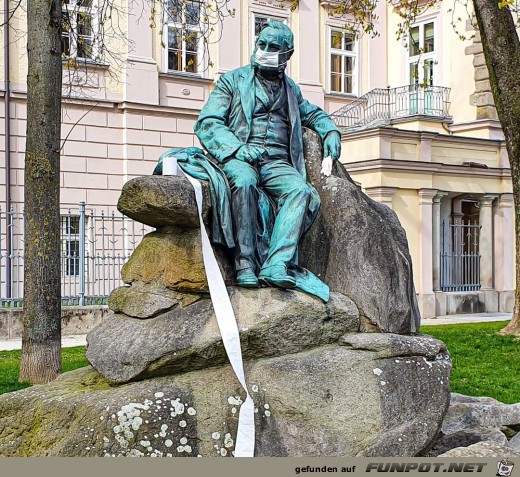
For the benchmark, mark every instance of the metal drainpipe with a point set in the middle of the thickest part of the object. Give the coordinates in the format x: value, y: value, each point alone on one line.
x: 7, y: 97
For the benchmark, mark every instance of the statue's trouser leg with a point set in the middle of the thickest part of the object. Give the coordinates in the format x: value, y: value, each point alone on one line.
x: 243, y: 180
x: 291, y: 193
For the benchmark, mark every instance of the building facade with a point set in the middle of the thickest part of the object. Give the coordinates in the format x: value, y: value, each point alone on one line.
x: 420, y: 132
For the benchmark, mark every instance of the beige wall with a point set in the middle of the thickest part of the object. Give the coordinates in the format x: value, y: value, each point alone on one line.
x: 104, y: 149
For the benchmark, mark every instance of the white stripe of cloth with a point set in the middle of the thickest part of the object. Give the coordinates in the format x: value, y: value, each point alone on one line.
x: 245, y: 440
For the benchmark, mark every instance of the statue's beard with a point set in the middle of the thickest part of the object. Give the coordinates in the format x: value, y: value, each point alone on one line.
x: 268, y: 72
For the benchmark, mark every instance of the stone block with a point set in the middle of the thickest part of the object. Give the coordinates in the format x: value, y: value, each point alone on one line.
x: 483, y: 86
x: 487, y: 112
x: 162, y: 201
x: 484, y: 99
x: 506, y: 301
x: 473, y: 49
x: 481, y: 73
x: 272, y: 323
x: 172, y: 257
x: 143, y: 137
x: 146, y: 300
x: 160, y: 123
x: 463, y: 302
x: 479, y: 60
x: 489, y: 300
x: 427, y: 305
x: 440, y: 304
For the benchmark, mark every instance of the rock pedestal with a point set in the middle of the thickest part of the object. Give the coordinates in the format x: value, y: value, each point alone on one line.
x: 359, y: 248
x: 337, y: 399
x: 478, y: 427
x: 162, y: 385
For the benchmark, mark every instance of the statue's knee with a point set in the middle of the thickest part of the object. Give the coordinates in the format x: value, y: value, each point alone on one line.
x: 303, y: 190
x: 245, y: 182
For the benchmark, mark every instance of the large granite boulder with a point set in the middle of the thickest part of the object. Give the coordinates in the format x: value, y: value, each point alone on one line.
x: 482, y: 449
x: 165, y: 270
x: 467, y: 412
x: 478, y: 427
x: 515, y: 442
x: 332, y: 400
x: 272, y: 323
x: 170, y: 256
x: 359, y: 248
x: 162, y: 201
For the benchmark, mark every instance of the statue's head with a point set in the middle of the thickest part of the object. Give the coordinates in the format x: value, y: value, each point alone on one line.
x: 273, y: 49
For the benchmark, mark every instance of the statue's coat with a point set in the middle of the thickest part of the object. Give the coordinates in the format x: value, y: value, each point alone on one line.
x: 224, y: 124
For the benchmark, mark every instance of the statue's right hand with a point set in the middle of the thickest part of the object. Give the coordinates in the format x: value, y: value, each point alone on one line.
x: 249, y: 153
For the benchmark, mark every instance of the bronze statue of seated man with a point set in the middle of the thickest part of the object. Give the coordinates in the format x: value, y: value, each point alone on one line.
x: 252, y: 125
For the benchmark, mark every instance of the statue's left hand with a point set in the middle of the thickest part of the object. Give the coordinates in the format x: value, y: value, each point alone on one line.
x: 332, y: 145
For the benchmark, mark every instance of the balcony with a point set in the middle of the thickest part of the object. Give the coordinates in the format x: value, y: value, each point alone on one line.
x: 381, y: 107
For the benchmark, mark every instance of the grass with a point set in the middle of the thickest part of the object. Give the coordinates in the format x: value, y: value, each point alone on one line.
x: 484, y: 363
x: 72, y: 358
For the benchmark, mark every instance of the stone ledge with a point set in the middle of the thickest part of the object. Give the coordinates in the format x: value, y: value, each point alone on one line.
x: 74, y: 320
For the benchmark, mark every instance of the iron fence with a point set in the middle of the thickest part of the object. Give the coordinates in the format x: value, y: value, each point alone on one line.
x: 94, y: 247
x: 381, y: 106
x: 460, y: 257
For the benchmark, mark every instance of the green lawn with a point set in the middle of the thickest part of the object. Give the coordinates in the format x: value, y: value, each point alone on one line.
x: 72, y: 358
x: 484, y: 363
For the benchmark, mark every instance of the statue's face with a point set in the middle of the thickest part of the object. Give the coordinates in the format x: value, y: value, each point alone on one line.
x: 271, y: 40
x: 271, y: 53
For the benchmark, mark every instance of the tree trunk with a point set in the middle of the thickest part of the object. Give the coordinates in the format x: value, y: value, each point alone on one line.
x: 41, y: 343
x: 502, y: 52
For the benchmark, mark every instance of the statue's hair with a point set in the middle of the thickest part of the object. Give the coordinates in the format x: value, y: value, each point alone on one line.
x: 288, y: 36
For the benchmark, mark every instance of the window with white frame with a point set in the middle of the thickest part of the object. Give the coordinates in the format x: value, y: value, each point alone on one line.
x: 79, y: 28
x: 422, y: 58
x: 183, y: 35
x: 343, y: 62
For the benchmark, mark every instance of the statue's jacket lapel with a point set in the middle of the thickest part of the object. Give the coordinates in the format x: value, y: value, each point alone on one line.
x: 242, y: 125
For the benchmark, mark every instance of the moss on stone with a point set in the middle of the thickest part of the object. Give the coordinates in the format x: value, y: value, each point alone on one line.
x: 170, y: 256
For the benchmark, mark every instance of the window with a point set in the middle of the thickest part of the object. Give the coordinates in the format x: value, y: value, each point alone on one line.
x: 70, y: 244
x: 343, y: 62
x: 421, y: 54
x: 79, y: 26
x: 184, y: 35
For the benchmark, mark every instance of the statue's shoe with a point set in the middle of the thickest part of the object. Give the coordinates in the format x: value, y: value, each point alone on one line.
x: 277, y: 276
x: 247, y: 279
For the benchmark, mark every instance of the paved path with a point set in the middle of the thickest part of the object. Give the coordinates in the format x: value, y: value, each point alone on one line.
x: 476, y: 318
x: 66, y: 342
x: 80, y: 340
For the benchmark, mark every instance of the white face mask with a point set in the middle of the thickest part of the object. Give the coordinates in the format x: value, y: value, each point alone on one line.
x: 269, y: 59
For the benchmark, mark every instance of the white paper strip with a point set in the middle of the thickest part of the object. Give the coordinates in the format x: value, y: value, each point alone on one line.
x: 169, y: 166
x: 245, y: 440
